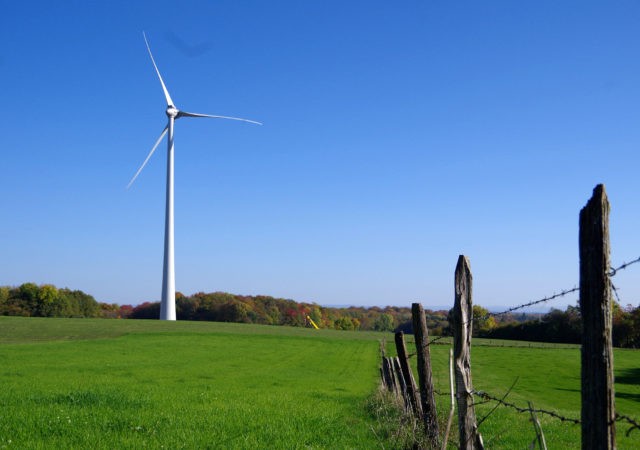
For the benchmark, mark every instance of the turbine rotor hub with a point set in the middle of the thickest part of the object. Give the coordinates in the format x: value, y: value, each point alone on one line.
x: 172, y: 111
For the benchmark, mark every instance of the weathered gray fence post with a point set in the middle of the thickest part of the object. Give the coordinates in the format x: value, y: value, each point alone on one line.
x: 462, y: 324
x: 412, y: 391
x: 397, y: 385
x: 387, y: 374
x: 598, y: 407
x: 402, y: 385
x: 427, y: 395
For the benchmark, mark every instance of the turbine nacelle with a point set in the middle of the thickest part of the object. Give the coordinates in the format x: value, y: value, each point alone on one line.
x: 172, y: 112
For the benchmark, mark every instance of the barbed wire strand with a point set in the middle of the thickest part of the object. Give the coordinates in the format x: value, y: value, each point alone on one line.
x: 615, y: 292
x: 487, y: 396
x: 634, y: 423
x: 562, y: 293
x: 524, y: 305
x: 432, y: 341
x: 498, y: 404
x: 535, y: 302
x: 613, y: 272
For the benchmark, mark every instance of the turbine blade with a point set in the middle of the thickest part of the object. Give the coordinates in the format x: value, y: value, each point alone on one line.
x: 164, y: 88
x: 148, y: 156
x: 188, y: 114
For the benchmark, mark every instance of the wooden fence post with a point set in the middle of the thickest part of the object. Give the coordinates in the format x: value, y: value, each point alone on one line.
x: 387, y: 375
x: 462, y: 324
x: 401, y: 384
x: 452, y: 403
x: 397, y: 385
x: 412, y: 391
x: 427, y: 395
x: 598, y: 404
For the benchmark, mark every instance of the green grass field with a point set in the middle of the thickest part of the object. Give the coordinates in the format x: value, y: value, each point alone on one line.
x: 84, y: 383
x: 131, y: 384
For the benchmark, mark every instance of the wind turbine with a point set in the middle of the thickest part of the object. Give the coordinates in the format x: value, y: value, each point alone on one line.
x: 168, y: 301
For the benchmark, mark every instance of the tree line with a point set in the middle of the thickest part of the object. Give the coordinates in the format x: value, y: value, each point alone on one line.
x: 557, y: 326
x: 46, y: 300
x: 267, y: 310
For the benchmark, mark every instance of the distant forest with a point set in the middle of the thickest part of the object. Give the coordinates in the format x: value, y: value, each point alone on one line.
x: 32, y: 300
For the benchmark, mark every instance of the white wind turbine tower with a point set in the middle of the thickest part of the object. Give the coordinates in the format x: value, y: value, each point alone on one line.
x: 168, y: 301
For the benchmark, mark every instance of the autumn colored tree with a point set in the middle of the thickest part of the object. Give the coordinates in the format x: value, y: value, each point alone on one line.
x: 483, y: 322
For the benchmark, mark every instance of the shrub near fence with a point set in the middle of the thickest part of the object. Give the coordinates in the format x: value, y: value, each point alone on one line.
x: 598, y: 416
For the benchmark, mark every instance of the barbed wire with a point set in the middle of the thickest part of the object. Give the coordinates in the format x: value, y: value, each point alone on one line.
x: 615, y: 292
x: 564, y: 292
x: 634, y: 423
x: 501, y: 401
x: 486, y: 396
x: 437, y: 392
x: 535, y: 302
x: 524, y: 305
x: 436, y: 339
x: 432, y: 341
x: 613, y: 272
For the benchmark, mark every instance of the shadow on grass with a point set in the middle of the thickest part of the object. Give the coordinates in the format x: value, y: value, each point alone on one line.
x: 625, y: 395
x: 629, y: 376
x: 567, y: 390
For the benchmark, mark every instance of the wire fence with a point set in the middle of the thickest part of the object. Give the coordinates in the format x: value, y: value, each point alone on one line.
x: 612, y: 273
x: 596, y: 290
x: 501, y: 401
x: 635, y: 425
x: 484, y: 397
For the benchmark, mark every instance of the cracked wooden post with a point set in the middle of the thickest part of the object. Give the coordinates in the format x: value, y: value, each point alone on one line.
x: 427, y: 394
x: 412, y: 391
x: 462, y: 324
x: 598, y: 403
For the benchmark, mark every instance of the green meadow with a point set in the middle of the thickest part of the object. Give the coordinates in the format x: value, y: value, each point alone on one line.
x: 82, y: 383
x: 548, y: 375
x: 96, y: 383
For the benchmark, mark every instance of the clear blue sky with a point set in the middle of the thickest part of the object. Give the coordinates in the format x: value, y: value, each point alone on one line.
x: 397, y: 135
